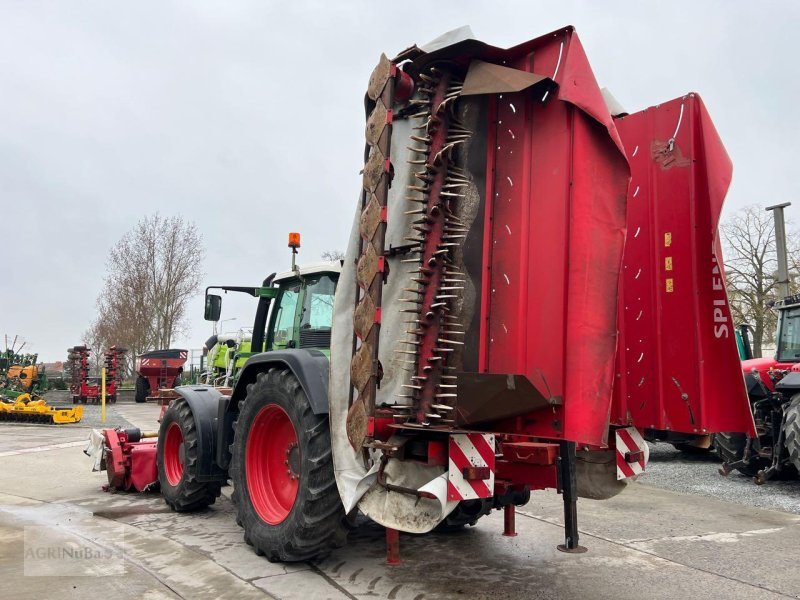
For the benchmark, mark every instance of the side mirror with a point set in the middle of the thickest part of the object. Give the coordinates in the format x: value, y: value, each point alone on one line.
x: 213, y: 307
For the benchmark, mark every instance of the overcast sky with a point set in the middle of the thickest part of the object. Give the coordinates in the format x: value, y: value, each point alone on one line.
x: 247, y: 117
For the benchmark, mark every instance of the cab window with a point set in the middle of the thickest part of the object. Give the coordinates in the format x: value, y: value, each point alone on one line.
x: 285, y: 317
x: 789, y: 340
x: 318, y: 305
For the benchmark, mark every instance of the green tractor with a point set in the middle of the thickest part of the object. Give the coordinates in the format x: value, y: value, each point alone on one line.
x: 301, y: 318
x: 274, y: 404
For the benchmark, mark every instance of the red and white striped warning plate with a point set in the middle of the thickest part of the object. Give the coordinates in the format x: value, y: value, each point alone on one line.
x: 632, y: 452
x: 471, y: 471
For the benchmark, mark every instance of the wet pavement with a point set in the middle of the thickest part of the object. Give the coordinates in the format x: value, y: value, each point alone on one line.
x: 646, y: 542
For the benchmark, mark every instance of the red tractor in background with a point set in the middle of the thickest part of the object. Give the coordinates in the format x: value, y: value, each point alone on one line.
x: 773, y: 388
x: 158, y: 369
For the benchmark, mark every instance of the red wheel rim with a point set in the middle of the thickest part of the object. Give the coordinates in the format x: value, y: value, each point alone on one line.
x: 272, y: 464
x: 173, y: 454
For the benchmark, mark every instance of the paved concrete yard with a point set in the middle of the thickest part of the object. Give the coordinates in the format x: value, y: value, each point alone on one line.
x: 646, y: 543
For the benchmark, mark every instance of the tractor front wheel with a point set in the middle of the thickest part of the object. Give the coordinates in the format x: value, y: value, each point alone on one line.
x: 177, y: 461
x: 282, y: 472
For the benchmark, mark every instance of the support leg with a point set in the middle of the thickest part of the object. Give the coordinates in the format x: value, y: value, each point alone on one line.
x: 509, y: 521
x: 569, y: 492
x: 392, y: 547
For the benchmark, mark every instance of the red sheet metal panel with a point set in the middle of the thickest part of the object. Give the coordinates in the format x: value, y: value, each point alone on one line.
x: 557, y: 218
x: 677, y: 362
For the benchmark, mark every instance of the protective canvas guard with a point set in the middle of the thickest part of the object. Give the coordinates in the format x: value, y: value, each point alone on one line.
x: 596, y: 229
x: 95, y: 449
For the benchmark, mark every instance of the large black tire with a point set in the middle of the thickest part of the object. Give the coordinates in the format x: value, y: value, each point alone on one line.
x: 142, y: 389
x: 791, y: 431
x: 730, y: 447
x: 177, y: 438
x: 315, y: 522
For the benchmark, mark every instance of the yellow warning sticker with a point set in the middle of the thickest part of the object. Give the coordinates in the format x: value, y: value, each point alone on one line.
x: 669, y: 285
x: 668, y: 263
x: 668, y: 239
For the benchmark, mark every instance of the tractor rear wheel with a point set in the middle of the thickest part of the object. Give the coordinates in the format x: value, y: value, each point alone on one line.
x: 731, y: 446
x: 791, y: 431
x: 282, y: 472
x: 142, y: 389
x: 177, y: 461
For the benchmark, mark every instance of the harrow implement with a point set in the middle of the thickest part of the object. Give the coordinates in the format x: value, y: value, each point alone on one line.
x: 28, y: 409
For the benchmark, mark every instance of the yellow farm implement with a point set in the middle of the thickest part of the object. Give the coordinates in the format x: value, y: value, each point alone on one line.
x: 28, y: 409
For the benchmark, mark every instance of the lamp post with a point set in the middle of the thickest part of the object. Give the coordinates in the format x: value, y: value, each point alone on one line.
x: 782, y: 276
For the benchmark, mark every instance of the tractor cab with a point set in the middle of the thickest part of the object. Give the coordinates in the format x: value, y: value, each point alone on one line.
x: 294, y: 311
x: 303, y: 311
x: 788, y: 337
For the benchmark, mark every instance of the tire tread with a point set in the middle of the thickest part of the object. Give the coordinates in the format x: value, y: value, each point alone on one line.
x: 791, y: 431
x: 189, y: 494
x: 319, y: 526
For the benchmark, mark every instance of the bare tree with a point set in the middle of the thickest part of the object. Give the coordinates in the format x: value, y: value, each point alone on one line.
x: 152, y: 272
x: 92, y: 338
x: 333, y: 255
x: 750, y: 265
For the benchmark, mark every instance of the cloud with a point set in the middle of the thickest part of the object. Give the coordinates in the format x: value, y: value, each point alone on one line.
x: 248, y: 118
